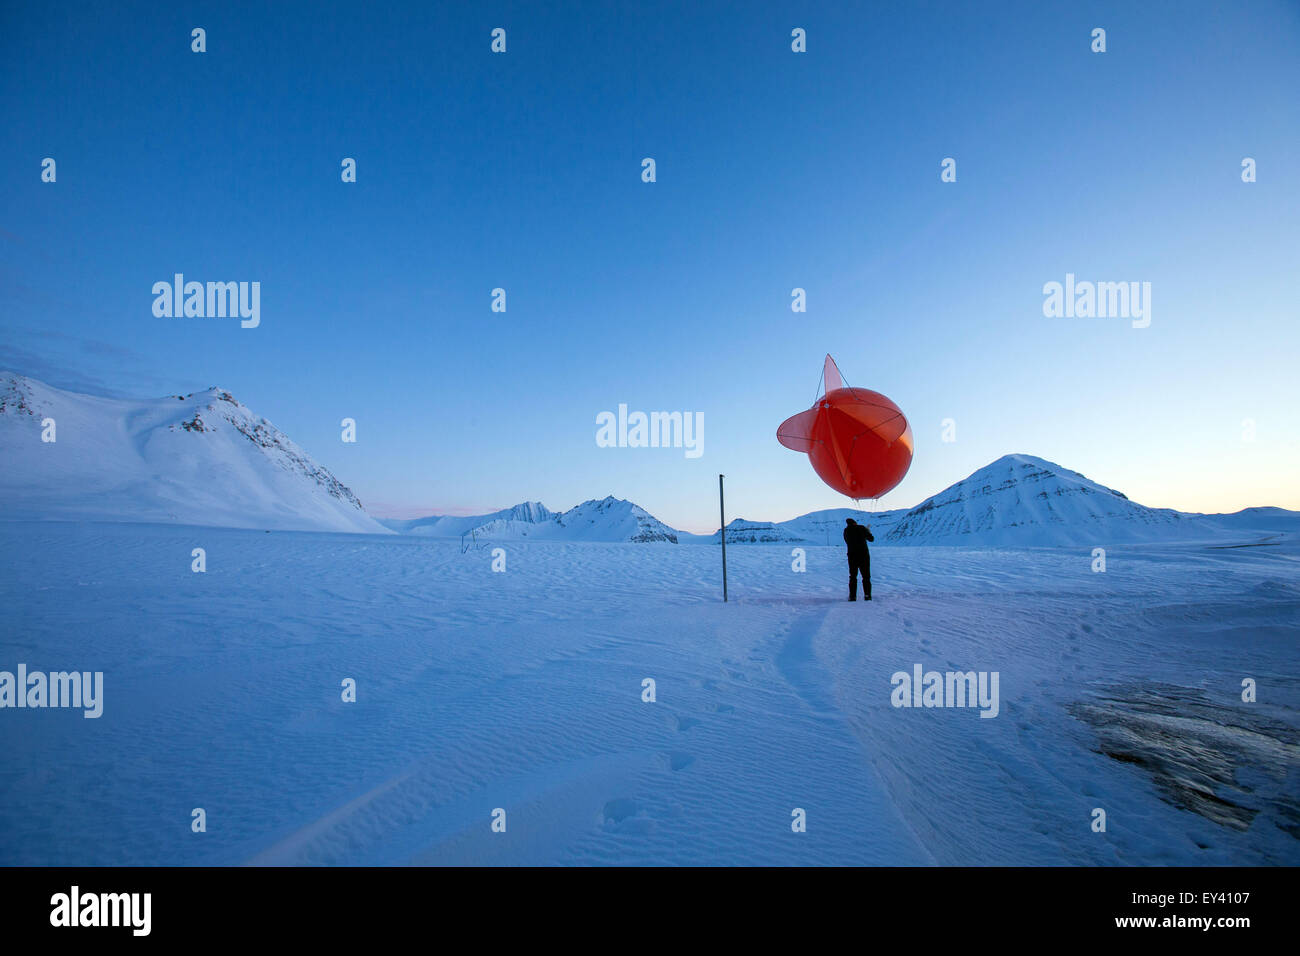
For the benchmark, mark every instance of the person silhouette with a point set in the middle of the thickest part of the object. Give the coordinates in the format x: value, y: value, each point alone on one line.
x: 856, y: 537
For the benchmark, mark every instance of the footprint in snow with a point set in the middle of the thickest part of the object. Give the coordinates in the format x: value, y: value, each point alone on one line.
x: 626, y: 815
x: 619, y: 809
x: 678, y: 760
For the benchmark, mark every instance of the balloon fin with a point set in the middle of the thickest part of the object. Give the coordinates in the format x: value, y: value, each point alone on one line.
x: 796, y: 432
x: 831, y: 377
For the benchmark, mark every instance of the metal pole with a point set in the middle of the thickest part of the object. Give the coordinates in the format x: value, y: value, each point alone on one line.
x: 722, y: 516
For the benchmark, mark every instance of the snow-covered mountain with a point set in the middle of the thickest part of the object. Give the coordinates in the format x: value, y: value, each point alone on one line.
x: 1021, y: 500
x: 1256, y: 519
x: 206, y: 459
x: 1017, y: 501
x: 816, y: 527
x: 827, y: 527
x: 609, y: 519
x: 741, y: 531
x: 202, y: 458
x: 453, y: 526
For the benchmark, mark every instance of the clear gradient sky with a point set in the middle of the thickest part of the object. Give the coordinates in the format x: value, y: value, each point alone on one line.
x: 775, y: 170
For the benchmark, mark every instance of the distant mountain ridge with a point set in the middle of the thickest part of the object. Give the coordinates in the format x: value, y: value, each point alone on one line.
x: 817, y: 527
x: 1017, y: 501
x: 607, y: 519
x: 453, y: 526
x: 206, y: 459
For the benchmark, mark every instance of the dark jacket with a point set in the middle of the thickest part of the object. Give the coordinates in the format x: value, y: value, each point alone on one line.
x: 856, y: 537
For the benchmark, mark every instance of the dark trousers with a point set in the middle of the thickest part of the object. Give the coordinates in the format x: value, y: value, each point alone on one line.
x: 860, y: 564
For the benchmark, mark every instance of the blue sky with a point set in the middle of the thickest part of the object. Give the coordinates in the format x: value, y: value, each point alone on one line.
x: 775, y: 170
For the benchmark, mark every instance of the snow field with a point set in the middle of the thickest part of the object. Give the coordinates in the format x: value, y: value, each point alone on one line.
x: 522, y: 690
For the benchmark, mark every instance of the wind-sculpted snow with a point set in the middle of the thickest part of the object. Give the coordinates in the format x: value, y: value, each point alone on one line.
x: 522, y: 689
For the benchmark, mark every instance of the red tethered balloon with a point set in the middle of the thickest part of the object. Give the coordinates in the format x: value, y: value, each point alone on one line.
x: 859, y: 442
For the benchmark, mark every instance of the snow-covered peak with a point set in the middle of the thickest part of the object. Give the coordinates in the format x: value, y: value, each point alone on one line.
x: 530, y: 511
x: 202, y: 458
x: 453, y: 526
x: 742, y: 531
x: 1029, y: 501
x: 1027, y: 468
x: 600, y: 519
x: 613, y: 519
